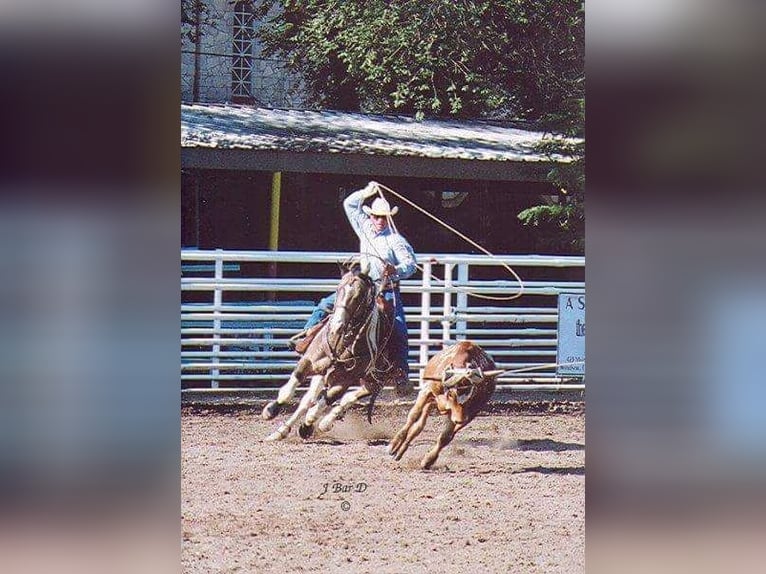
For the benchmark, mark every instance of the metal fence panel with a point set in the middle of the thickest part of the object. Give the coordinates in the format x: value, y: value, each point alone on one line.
x: 235, y: 323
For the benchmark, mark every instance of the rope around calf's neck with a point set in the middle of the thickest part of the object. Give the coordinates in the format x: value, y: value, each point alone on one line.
x: 465, y: 238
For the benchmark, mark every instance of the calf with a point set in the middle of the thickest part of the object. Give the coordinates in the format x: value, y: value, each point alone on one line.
x: 458, y: 381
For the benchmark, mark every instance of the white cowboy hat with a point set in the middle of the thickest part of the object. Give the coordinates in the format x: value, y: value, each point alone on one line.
x: 380, y: 207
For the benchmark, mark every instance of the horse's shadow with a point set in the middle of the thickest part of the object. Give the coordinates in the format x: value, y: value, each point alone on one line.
x: 336, y: 442
x: 324, y: 442
x: 565, y: 470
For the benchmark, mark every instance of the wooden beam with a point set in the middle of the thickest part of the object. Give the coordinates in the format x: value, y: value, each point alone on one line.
x: 364, y: 164
x: 276, y: 198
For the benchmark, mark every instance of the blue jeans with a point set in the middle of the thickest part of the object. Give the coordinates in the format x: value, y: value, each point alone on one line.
x: 398, y: 343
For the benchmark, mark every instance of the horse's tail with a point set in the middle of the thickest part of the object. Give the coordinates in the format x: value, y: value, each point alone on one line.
x: 371, y: 404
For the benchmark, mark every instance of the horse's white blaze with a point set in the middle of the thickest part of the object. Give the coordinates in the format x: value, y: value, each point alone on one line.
x: 339, y: 313
x: 338, y: 318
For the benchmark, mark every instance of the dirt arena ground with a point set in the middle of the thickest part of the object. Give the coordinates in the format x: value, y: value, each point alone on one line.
x: 508, y: 495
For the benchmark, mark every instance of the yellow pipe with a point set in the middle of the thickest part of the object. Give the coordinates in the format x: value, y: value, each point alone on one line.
x: 276, y: 194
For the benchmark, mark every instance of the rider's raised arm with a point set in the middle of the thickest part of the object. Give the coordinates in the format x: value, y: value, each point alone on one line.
x: 352, y: 205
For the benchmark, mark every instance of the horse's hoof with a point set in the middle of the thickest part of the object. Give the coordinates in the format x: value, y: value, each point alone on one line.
x: 325, y: 425
x: 271, y: 410
x: 305, y: 431
x: 276, y: 435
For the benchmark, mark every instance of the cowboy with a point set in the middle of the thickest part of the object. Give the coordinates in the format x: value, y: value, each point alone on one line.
x: 389, y: 254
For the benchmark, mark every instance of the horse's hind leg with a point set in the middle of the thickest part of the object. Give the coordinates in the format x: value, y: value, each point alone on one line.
x: 307, y: 426
x: 322, y: 405
x: 308, y: 399
x: 345, y: 403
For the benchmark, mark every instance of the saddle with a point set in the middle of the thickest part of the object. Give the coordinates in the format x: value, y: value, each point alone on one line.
x: 302, y: 340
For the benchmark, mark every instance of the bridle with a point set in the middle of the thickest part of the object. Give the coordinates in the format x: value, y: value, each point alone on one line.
x: 358, y: 328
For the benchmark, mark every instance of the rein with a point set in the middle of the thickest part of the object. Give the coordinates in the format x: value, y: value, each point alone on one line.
x: 360, y: 329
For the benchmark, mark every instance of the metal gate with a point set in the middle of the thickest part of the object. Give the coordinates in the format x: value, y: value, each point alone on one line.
x: 238, y: 313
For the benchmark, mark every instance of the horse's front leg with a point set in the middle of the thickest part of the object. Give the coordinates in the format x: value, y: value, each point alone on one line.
x: 321, y: 406
x: 332, y: 390
x: 345, y: 403
x: 302, y: 370
x: 286, y: 393
x: 308, y: 399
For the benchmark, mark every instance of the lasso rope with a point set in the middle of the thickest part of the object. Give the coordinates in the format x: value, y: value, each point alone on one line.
x: 462, y: 236
x: 457, y: 375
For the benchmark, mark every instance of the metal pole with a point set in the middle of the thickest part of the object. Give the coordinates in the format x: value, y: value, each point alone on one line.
x: 447, y: 308
x: 462, y: 300
x: 425, y: 313
x: 276, y: 195
x: 276, y: 198
x: 217, y: 300
x: 196, y: 210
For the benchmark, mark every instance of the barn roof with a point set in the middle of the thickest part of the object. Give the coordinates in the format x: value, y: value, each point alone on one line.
x: 245, y: 137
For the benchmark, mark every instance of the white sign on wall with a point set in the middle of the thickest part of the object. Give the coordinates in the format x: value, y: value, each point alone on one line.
x: 571, y: 335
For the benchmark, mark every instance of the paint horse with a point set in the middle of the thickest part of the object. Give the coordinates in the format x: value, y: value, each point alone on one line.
x: 349, y: 347
x: 458, y: 381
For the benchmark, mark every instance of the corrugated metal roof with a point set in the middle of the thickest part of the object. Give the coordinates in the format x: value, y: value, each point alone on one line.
x: 247, y: 128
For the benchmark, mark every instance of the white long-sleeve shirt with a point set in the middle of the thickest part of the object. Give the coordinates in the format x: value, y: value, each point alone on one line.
x: 387, y: 245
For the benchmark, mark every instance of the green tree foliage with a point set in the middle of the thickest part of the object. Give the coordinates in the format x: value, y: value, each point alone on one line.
x: 562, y: 224
x: 442, y: 58
x: 520, y: 59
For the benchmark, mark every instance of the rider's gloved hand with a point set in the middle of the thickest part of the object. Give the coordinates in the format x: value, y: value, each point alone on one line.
x: 371, y: 189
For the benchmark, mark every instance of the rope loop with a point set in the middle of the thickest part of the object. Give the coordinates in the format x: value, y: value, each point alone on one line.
x: 381, y: 187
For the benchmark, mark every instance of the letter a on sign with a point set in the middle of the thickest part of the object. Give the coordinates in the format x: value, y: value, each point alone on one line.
x: 570, y: 355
